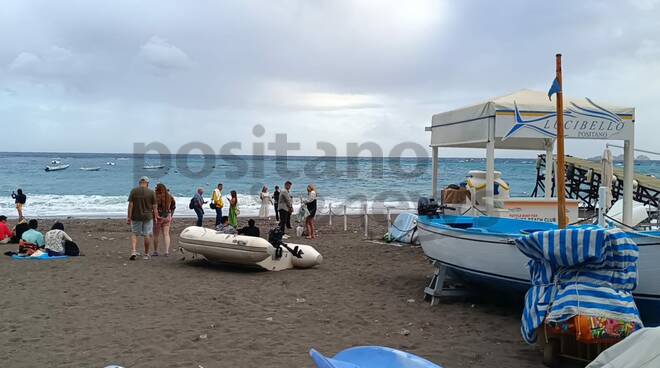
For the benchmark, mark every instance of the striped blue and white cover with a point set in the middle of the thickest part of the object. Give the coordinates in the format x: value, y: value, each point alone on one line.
x: 579, y: 272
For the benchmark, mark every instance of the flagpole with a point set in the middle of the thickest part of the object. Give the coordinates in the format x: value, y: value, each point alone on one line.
x: 561, y: 175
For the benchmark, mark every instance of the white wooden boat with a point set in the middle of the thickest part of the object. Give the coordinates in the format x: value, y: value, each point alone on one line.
x: 247, y: 251
x: 90, y: 168
x: 481, y: 250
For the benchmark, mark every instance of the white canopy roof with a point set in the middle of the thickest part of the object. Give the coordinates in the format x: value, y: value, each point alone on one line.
x: 526, y: 120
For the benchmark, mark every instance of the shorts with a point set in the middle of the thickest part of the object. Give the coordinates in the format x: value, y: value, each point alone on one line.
x: 142, y: 228
x: 19, y: 206
x: 158, y: 226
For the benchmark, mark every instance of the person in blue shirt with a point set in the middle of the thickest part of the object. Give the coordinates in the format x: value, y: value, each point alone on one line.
x: 32, y: 235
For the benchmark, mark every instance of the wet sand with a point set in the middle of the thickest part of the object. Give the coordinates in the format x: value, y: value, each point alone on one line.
x: 102, y: 309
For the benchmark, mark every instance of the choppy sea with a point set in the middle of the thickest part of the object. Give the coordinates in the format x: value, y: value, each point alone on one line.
x: 391, y: 182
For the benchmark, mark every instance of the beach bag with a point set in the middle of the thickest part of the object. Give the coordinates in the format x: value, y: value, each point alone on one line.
x: 71, y: 249
x: 212, y: 205
x: 303, y: 212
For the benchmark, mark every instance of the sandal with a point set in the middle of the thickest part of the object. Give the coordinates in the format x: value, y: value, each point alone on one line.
x: 132, y: 257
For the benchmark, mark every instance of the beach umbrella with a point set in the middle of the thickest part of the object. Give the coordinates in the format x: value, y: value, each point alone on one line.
x: 607, y: 171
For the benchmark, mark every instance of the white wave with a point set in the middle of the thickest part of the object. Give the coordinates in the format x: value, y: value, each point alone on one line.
x: 97, y: 206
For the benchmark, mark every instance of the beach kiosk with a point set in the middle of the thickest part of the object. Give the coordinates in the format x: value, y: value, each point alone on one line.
x: 526, y: 120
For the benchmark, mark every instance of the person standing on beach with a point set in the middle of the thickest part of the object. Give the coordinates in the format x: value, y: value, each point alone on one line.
x: 165, y: 205
x: 142, y: 210
x: 216, y: 200
x: 197, y: 204
x: 266, y: 201
x: 276, y: 198
x: 233, y: 209
x: 19, y: 200
x: 310, y: 203
x: 285, y: 207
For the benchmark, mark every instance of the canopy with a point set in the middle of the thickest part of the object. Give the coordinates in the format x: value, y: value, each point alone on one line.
x: 527, y: 120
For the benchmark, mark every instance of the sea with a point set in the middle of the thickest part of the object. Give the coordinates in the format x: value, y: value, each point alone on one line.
x: 341, y: 182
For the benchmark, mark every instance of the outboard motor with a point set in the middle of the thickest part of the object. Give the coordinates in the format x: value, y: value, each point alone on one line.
x: 427, y: 206
x: 275, y: 239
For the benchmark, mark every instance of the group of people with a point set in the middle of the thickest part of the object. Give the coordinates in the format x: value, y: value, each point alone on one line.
x: 281, y: 200
x: 30, y: 240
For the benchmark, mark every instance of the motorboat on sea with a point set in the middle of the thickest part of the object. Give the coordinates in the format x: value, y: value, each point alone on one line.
x: 153, y: 167
x: 479, y: 248
x: 57, y: 167
x: 248, y: 251
x: 95, y: 168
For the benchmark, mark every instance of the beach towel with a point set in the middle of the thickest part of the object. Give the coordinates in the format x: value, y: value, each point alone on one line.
x: 579, y: 272
x: 42, y: 257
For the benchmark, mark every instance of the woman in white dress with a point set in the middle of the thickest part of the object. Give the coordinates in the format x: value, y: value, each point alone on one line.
x: 266, y: 202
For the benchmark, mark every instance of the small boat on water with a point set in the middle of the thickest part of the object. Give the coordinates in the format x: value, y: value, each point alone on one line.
x: 110, y: 163
x: 95, y: 168
x: 57, y: 167
x: 247, y: 251
x: 153, y: 167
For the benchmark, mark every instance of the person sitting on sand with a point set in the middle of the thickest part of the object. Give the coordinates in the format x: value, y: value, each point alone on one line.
x: 19, y: 200
x: 57, y: 241
x: 32, y: 239
x: 249, y: 230
x: 19, y: 229
x: 5, y: 233
x: 225, y: 227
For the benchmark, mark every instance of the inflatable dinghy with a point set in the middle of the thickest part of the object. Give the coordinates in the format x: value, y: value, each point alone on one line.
x: 247, y: 251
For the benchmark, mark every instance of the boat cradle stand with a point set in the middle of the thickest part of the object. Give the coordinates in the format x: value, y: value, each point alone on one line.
x: 436, y: 291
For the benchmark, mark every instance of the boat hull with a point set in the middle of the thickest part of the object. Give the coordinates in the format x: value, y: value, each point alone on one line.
x: 245, y: 251
x: 493, y: 260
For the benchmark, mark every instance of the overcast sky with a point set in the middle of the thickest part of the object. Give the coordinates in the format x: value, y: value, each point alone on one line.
x: 93, y: 76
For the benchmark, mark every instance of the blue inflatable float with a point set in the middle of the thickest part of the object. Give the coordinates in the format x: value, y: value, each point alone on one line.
x: 43, y: 257
x: 371, y: 357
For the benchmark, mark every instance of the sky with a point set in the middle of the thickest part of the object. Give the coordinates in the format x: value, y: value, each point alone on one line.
x: 91, y: 76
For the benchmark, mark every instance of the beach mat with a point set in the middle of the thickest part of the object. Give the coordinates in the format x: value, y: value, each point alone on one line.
x: 43, y: 257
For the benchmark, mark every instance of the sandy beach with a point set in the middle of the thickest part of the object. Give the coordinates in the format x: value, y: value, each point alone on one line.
x: 102, y: 309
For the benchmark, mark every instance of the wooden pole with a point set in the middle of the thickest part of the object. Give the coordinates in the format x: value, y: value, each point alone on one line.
x: 366, y: 221
x: 561, y: 164
x: 330, y: 214
x: 345, y: 220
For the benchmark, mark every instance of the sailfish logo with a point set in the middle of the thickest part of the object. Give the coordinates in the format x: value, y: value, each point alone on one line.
x: 594, y: 111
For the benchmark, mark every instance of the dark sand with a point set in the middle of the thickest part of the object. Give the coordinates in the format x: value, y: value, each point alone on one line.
x: 102, y: 309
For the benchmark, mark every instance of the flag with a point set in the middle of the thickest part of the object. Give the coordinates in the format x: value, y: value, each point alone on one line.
x: 555, y: 88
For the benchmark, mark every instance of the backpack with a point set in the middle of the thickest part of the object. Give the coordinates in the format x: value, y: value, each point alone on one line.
x: 192, y: 203
x: 71, y: 249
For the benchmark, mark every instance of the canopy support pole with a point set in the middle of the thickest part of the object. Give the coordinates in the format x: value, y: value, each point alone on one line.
x: 490, y: 167
x: 549, y: 163
x: 434, y: 172
x: 628, y: 173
